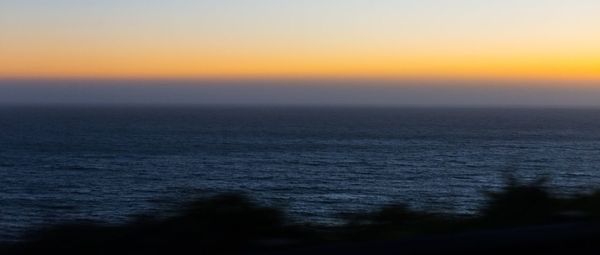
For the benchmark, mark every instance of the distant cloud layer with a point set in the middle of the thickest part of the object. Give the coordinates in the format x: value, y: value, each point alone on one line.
x: 296, y: 92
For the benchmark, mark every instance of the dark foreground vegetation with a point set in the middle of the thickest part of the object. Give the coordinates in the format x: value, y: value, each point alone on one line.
x: 524, y: 218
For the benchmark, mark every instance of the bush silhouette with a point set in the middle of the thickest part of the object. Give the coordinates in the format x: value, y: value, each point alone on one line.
x: 226, y: 223
x: 519, y: 203
x: 233, y: 223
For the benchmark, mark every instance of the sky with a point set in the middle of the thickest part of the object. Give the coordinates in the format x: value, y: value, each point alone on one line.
x: 532, y: 42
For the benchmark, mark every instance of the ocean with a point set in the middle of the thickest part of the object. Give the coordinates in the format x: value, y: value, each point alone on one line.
x: 63, y: 163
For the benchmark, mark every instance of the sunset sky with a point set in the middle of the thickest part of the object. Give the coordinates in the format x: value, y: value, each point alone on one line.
x: 318, y: 52
x: 460, y: 39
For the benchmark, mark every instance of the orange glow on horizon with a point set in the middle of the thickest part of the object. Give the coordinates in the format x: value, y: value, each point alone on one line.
x: 497, y: 40
x: 107, y: 65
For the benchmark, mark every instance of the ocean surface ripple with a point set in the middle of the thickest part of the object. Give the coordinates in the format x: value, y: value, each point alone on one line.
x: 107, y: 163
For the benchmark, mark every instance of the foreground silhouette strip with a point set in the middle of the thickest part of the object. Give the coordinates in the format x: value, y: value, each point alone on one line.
x: 520, y: 218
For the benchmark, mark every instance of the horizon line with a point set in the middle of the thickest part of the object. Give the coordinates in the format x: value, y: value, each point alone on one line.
x: 431, y: 80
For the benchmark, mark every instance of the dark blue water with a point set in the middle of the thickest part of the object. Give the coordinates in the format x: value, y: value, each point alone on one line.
x: 63, y: 163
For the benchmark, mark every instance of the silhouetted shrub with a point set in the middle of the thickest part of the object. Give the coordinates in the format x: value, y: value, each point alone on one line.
x: 519, y: 203
x: 392, y: 221
x: 233, y: 224
x: 225, y: 223
x: 583, y: 206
